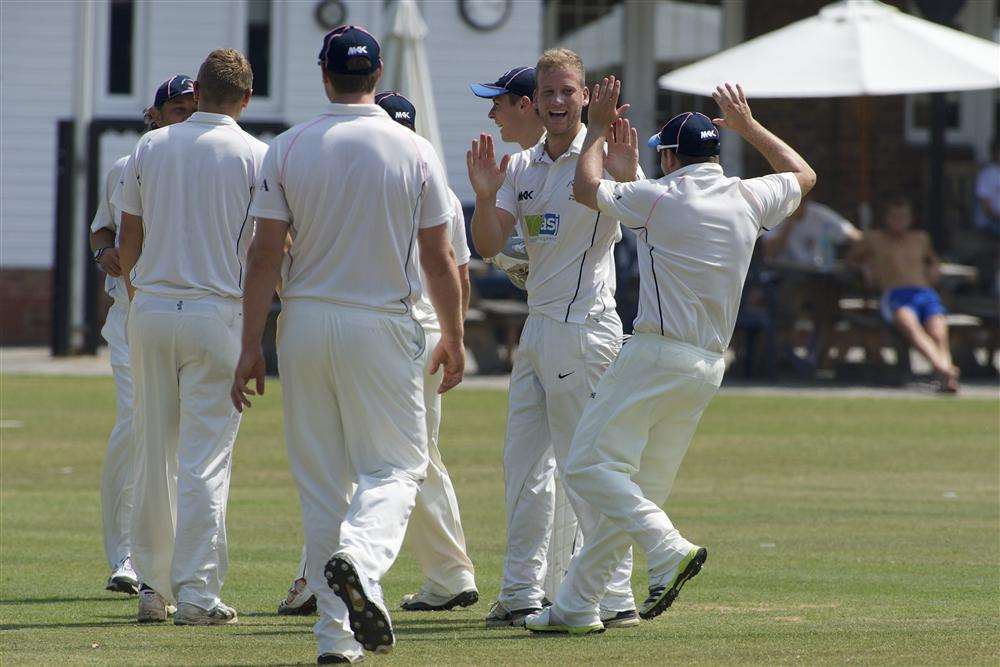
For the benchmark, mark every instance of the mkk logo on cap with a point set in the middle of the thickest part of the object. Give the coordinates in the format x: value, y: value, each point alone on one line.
x: 398, y: 107
x: 689, y: 133
x: 178, y: 84
x: 348, y: 49
x: 518, y: 81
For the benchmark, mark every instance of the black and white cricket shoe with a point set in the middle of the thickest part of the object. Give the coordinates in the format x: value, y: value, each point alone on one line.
x: 367, y: 613
x: 337, y: 658
x: 427, y: 601
x: 663, y: 594
x: 299, y: 601
x: 123, y: 579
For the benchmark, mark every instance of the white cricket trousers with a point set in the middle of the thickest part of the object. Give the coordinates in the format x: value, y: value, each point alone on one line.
x: 556, y: 367
x: 116, y: 475
x: 625, y: 455
x: 435, y: 532
x: 353, y: 390
x: 183, y: 353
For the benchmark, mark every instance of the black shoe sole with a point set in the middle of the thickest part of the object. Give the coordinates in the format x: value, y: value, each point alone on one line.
x: 122, y: 586
x: 308, y: 608
x: 332, y: 658
x: 693, y: 568
x: 372, y: 628
x: 463, y: 599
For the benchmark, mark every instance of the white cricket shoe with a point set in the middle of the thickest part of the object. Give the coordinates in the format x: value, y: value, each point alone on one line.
x: 300, y: 600
x: 123, y: 578
x: 543, y: 622
x: 192, y: 614
x: 153, y: 608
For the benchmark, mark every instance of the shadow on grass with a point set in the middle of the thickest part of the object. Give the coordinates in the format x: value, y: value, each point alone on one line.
x: 26, y: 601
x: 49, y: 626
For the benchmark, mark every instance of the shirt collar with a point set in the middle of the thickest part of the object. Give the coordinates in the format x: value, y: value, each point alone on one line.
x: 539, y: 154
x: 698, y: 169
x: 211, y: 118
x: 337, y: 109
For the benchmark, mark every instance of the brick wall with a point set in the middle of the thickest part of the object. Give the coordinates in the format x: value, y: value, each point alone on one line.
x: 26, y: 302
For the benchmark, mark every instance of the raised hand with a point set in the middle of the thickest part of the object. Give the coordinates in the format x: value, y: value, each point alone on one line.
x: 732, y: 103
x: 484, y: 174
x: 603, y: 109
x: 622, y: 159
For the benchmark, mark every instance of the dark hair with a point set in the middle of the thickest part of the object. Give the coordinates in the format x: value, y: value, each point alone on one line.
x: 355, y: 83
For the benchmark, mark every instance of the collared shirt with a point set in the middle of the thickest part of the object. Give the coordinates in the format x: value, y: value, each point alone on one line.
x: 695, y: 233
x: 191, y: 183
x: 109, y: 217
x: 570, y: 246
x: 423, y: 310
x: 355, y: 188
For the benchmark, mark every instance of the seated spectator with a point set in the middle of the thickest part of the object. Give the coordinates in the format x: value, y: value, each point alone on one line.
x: 808, y: 240
x: 809, y: 236
x: 901, y: 263
x: 988, y: 193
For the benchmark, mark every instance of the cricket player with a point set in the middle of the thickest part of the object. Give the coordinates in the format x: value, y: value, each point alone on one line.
x: 513, y: 110
x: 173, y: 102
x: 362, y: 197
x: 184, y: 197
x: 435, y: 528
x: 572, y: 332
x: 696, y: 230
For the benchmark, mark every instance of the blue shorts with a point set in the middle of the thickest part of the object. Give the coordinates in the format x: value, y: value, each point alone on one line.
x: 923, y: 301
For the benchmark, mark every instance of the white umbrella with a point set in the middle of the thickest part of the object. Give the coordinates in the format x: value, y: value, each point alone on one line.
x: 406, y: 69
x: 851, y: 48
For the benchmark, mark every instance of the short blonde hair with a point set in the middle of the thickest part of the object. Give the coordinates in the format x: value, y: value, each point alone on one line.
x: 561, y: 58
x: 225, y: 77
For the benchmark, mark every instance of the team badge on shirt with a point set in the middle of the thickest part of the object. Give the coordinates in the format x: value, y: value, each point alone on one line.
x: 542, y: 225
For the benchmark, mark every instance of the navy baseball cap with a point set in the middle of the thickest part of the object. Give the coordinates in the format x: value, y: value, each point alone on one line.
x: 518, y: 81
x: 398, y: 107
x: 689, y: 133
x: 178, y: 84
x: 345, y: 43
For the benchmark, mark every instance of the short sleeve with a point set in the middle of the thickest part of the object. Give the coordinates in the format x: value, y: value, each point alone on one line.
x: 630, y: 203
x: 127, y: 196
x: 435, y: 204
x: 269, y: 196
x: 836, y: 227
x: 459, y: 243
x: 104, y: 219
x: 507, y: 196
x: 773, y: 197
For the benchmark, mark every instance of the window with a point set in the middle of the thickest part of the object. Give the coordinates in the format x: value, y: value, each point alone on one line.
x: 259, y: 45
x: 121, y: 17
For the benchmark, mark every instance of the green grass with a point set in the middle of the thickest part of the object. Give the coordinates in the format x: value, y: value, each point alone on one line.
x: 854, y: 530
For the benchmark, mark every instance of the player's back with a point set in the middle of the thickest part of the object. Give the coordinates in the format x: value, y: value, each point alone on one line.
x: 356, y: 186
x: 195, y: 180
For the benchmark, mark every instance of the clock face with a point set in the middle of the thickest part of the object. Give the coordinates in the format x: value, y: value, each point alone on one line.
x: 485, y: 15
x: 330, y: 13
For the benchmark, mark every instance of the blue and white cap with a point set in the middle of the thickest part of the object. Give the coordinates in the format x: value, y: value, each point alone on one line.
x: 518, y: 81
x: 175, y: 86
x: 689, y: 133
x: 347, y: 44
x: 398, y: 107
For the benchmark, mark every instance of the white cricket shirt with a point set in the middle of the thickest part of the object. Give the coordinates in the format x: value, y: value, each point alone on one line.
x: 192, y: 183
x: 423, y: 310
x: 354, y: 186
x: 695, y: 233
x: 570, y: 246
x: 109, y: 217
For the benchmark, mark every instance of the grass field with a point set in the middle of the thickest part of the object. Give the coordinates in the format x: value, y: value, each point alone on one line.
x: 839, y: 530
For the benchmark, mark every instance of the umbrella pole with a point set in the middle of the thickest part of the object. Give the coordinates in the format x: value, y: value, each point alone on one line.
x: 935, y: 200
x: 864, y: 167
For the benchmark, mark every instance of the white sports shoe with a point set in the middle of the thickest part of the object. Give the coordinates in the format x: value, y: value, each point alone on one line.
x: 300, y: 600
x: 123, y: 578
x: 191, y: 614
x: 153, y: 608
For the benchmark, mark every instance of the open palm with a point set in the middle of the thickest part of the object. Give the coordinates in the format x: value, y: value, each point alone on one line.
x: 622, y: 160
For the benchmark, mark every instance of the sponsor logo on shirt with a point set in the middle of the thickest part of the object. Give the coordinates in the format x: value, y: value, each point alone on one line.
x: 542, y: 225
x: 524, y: 195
